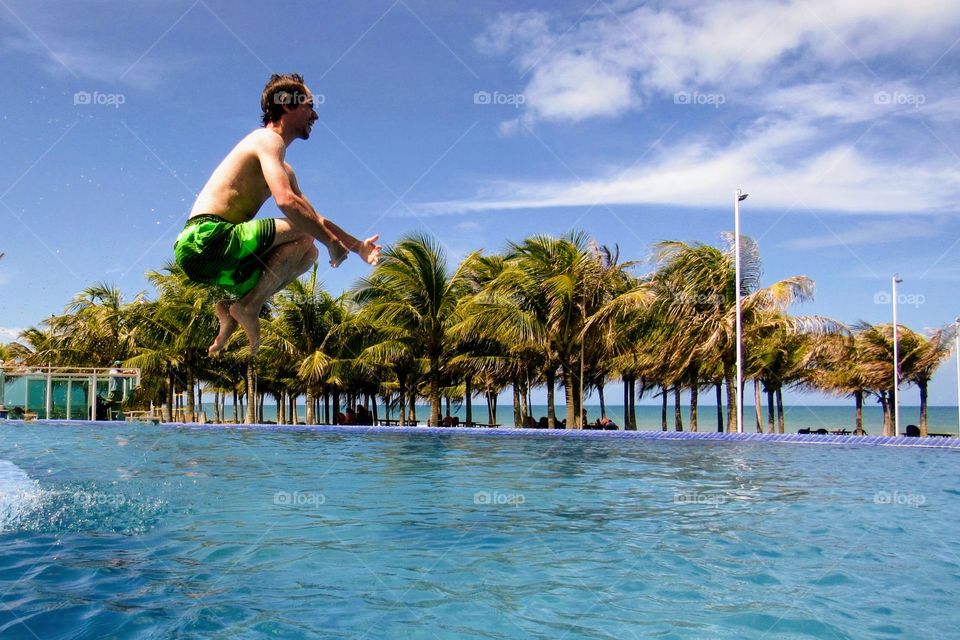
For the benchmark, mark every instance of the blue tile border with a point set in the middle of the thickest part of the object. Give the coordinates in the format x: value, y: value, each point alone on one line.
x: 786, y: 438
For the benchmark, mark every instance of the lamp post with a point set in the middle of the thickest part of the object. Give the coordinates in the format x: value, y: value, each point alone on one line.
x: 957, y: 349
x: 896, y: 359
x: 738, y: 197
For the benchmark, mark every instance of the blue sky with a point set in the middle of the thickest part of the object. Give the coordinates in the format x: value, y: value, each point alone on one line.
x: 486, y: 122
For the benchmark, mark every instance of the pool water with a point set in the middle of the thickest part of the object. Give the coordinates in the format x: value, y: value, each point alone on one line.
x: 134, y: 531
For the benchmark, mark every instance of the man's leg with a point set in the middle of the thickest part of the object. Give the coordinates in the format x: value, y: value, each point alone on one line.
x: 292, y: 254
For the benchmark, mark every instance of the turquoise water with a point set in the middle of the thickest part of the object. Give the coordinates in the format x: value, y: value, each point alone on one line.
x: 940, y: 419
x: 128, y: 531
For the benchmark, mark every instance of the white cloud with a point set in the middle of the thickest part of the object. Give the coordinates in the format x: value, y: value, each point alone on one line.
x: 813, y: 125
x: 9, y: 334
x: 697, y: 174
x: 605, y: 64
x: 874, y: 232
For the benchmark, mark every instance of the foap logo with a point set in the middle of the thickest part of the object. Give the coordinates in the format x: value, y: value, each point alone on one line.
x: 515, y: 100
x: 295, y: 100
x: 98, y: 99
x: 697, y: 98
x: 899, y: 99
x: 496, y: 498
x: 699, y: 498
x: 299, y: 499
x: 909, y: 299
x: 900, y: 498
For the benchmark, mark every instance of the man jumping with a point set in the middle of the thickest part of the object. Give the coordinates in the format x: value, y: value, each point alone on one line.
x: 253, y: 259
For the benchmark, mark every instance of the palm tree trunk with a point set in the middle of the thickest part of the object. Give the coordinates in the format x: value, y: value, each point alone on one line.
x: 435, y: 390
x: 517, y: 417
x: 524, y: 405
x: 412, y: 405
x: 235, y: 402
x: 633, y: 402
x: 572, y: 417
x: 603, y: 403
x: 663, y: 408
x: 780, y: 418
x: 251, y: 394
x: 402, y: 399
x: 191, y: 399
x: 694, y: 399
x: 281, y: 408
x: 885, y: 405
x: 468, y: 398
x: 310, y: 415
x: 170, y: 383
x: 551, y: 399
x: 626, y: 403
x: 677, y: 414
x: 858, y: 397
x: 922, y: 384
x: 294, y: 416
x: 757, y: 405
x: 732, y: 392
x: 719, y: 409
x: 770, y: 411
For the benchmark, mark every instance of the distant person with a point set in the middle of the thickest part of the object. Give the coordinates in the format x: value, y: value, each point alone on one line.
x: 251, y: 259
x: 115, y: 391
x: 350, y: 418
x: 364, y: 417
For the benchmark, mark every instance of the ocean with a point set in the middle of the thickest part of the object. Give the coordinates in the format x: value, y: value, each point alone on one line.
x: 940, y: 419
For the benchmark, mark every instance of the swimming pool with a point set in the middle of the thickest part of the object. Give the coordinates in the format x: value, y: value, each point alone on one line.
x: 131, y: 531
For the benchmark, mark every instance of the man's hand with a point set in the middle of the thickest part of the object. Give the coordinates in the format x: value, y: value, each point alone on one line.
x: 338, y: 253
x: 370, y: 250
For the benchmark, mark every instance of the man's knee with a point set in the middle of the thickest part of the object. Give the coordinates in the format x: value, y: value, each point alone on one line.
x: 312, y: 254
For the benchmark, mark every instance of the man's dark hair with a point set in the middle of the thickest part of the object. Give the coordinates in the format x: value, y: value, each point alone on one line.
x: 282, y: 90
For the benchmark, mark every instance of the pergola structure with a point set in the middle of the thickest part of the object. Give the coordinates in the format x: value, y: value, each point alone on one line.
x: 34, y: 388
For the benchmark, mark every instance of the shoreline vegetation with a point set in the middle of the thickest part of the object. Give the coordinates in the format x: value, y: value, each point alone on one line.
x: 546, y: 313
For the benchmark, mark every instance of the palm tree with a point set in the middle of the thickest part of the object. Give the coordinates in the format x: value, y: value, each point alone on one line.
x: 923, y: 360
x: 698, y: 285
x: 411, y: 291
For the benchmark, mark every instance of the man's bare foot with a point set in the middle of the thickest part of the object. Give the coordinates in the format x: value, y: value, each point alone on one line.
x: 370, y: 250
x: 338, y: 253
x: 227, y: 326
x: 250, y: 321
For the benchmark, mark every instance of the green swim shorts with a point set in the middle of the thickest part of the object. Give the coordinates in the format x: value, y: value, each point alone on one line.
x: 214, y: 251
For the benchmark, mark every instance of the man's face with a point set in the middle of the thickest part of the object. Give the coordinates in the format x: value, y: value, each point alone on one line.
x: 302, y: 116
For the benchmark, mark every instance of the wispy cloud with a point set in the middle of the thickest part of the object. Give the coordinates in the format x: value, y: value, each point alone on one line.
x: 870, y: 233
x: 804, y: 103
x: 698, y: 174
x: 608, y: 63
x: 9, y: 334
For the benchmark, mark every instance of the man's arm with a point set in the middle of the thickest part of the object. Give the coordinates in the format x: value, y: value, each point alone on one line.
x: 270, y: 150
x: 290, y: 200
x: 350, y: 242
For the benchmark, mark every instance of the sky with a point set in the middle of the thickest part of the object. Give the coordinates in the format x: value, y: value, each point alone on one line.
x: 486, y: 122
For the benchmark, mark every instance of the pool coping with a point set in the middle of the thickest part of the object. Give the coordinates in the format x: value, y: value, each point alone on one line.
x: 785, y: 438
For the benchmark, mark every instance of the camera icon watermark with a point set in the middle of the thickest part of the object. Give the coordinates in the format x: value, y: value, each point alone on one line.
x: 296, y: 99
x: 299, y: 499
x: 702, y: 499
x: 899, y: 99
x: 900, y: 498
x: 697, y: 98
x: 98, y: 99
x: 496, y: 498
x: 908, y: 299
x: 515, y: 100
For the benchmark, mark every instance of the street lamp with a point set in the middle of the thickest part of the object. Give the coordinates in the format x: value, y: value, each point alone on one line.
x: 738, y: 197
x: 896, y: 359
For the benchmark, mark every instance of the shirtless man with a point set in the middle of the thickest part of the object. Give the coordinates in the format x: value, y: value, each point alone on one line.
x: 222, y: 244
